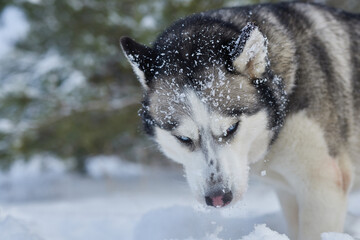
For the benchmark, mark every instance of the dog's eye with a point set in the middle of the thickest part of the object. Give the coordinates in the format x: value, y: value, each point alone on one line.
x: 184, y: 140
x: 231, y: 129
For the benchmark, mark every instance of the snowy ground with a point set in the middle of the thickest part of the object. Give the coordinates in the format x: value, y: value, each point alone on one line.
x: 42, y: 201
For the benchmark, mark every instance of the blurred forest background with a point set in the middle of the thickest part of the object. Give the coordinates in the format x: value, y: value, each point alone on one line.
x: 67, y: 90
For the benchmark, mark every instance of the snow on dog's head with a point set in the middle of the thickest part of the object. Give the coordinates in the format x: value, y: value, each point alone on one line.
x: 215, y: 148
x: 211, y: 102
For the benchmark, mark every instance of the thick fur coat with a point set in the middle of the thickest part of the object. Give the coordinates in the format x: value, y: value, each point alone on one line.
x: 272, y: 88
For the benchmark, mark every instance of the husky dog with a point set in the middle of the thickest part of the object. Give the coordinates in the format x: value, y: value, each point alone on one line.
x: 243, y: 90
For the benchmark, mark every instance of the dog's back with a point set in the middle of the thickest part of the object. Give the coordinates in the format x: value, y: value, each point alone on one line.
x: 316, y: 50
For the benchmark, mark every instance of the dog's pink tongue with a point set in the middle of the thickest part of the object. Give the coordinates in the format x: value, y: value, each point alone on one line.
x: 217, y: 201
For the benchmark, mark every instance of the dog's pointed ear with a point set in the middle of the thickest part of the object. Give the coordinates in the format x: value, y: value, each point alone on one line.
x: 141, y: 59
x: 249, y: 54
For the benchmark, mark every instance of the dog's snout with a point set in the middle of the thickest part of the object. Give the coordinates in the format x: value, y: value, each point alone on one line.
x: 219, y: 198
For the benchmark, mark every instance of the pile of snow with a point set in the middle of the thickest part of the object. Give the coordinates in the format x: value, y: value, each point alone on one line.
x: 14, y: 229
x: 336, y: 236
x: 189, y: 223
x: 261, y: 232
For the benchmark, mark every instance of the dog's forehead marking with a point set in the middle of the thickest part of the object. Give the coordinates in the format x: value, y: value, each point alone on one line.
x: 187, y: 128
x: 200, y: 113
x: 220, y: 123
x: 203, y: 119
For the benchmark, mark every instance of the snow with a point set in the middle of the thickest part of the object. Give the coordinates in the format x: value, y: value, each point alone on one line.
x: 76, y: 80
x: 336, y: 236
x: 35, y: 1
x: 6, y: 126
x: 39, y: 165
x: 13, y: 27
x: 17, y: 65
x: 111, y: 166
x: 41, y: 200
x: 50, y: 61
x: 170, y: 223
x: 13, y: 229
x: 261, y: 232
x: 148, y: 22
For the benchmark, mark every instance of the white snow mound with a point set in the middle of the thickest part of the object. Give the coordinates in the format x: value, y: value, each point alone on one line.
x: 336, y: 236
x: 11, y: 229
x: 262, y: 232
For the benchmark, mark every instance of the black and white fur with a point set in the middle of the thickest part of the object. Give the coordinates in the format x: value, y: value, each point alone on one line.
x: 266, y: 87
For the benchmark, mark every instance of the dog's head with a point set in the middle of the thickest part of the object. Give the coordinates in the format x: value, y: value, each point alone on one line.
x: 211, y: 102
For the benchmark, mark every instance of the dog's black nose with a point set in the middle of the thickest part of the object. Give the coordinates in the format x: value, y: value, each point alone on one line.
x: 219, y: 199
